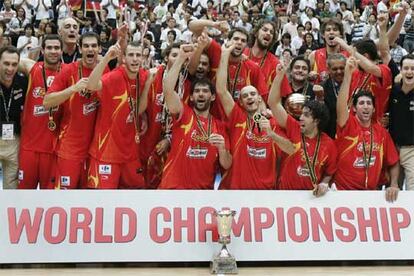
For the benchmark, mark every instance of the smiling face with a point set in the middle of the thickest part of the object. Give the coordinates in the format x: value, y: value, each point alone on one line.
x: 300, y: 71
x: 364, y: 109
x: 407, y: 71
x: 250, y: 99
x: 8, y: 67
x: 52, y: 51
x: 336, y: 70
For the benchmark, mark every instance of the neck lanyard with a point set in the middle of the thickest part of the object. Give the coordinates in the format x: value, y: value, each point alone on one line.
x: 75, y: 55
x: 230, y: 87
x: 6, y: 108
x: 335, y: 90
x: 311, y: 166
x: 205, y: 135
x: 51, y: 124
x: 134, y: 106
x: 367, y: 159
x: 263, y: 58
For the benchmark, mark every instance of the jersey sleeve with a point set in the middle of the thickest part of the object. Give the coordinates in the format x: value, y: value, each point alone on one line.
x: 62, y: 80
x: 214, y: 55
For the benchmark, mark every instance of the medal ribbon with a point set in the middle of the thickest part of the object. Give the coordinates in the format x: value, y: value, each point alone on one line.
x: 205, y: 134
x: 311, y: 166
x: 367, y: 160
x: 51, y: 124
x: 232, y: 87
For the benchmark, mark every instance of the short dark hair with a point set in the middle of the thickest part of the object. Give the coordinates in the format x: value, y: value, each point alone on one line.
x: 409, y: 56
x: 172, y: 32
x: 134, y: 44
x: 203, y: 81
x: 367, y: 46
x: 51, y: 37
x: 89, y: 34
x: 9, y: 50
x: 239, y: 30
x: 286, y: 35
x: 299, y: 58
x: 362, y: 93
x: 319, y: 112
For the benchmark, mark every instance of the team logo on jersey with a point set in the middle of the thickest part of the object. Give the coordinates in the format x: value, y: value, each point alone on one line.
x: 89, y: 107
x: 360, y: 163
x: 65, y: 181
x: 197, y: 153
x: 49, y: 80
x: 258, y: 153
x: 158, y: 117
x: 39, y: 110
x: 302, y: 171
x: 105, y: 169
x: 39, y: 92
x: 18, y: 94
x: 21, y: 175
x: 360, y: 148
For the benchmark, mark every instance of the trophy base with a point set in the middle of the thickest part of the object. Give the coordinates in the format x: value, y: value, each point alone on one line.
x: 223, y: 265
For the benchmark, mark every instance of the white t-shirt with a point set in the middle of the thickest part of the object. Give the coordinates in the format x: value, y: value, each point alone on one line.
x: 111, y: 8
x: 41, y: 12
x: 22, y: 41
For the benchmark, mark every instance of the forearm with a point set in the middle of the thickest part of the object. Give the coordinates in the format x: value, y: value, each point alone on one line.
x: 283, y: 143
x: 225, y: 159
x: 395, y: 30
x: 94, y: 82
x: 55, y: 99
x: 197, y: 26
x: 195, y: 59
x: 222, y: 76
x: 394, y: 174
x: 172, y: 99
x: 143, y: 99
x: 342, y: 102
x: 368, y: 66
x: 274, y: 94
x: 326, y: 179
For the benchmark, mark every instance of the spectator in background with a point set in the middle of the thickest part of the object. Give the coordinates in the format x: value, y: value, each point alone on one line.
x: 308, y: 44
x: 244, y: 23
x: 63, y: 10
x: 382, y: 6
x: 17, y: 24
x: 171, y: 26
x: 297, y: 41
x: 292, y: 26
x: 27, y: 41
x: 372, y: 31
x: 41, y: 8
x: 27, y: 5
x: 358, y: 27
x: 171, y: 37
x: 347, y: 21
x: 303, y: 4
x: 7, y: 13
x: 112, y: 7
x: 334, y: 6
x: 326, y: 13
x: 309, y: 16
x: 268, y: 10
x: 285, y: 44
x: 311, y: 30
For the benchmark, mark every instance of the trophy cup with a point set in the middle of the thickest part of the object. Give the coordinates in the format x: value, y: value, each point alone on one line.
x: 224, y: 262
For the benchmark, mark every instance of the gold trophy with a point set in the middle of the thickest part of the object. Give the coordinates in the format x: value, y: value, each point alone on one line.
x: 224, y: 262
x: 294, y: 104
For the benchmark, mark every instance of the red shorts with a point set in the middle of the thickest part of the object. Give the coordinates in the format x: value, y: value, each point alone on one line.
x: 104, y: 175
x: 70, y: 174
x: 36, y: 168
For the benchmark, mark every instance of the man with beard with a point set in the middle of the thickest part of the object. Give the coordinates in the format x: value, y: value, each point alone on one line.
x: 252, y: 135
x: 364, y: 146
x: 114, y: 160
x: 330, y: 29
x: 264, y: 36
x: 336, y: 67
x: 312, y: 163
x: 242, y: 72
x: 13, y: 88
x: 39, y: 128
x: 69, y: 32
x: 79, y: 111
x: 199, y: 142
x: 299, y: 72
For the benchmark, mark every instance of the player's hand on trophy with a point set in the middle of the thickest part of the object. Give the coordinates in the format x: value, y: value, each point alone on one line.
x: 217, y: 140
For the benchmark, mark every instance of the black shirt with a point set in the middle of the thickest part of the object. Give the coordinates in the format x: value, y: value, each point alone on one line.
x: 401, y: 108
x: 12, y: 101
x: 331, y: 89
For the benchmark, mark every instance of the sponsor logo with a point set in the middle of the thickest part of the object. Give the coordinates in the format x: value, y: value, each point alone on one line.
x: 159, y: 99
x: 359, y: 162
x: 105, y: 169
x: 197, y: 153
x: 21, y: 175
x: 158, y: 117
x: 302, y: 171
x: 38, y: 92
x: 256, y: 153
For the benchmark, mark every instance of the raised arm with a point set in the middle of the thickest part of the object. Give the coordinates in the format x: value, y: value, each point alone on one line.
x: 203, y: 41
x: 366, y: 64
x: 197, y: 26
x: 25, y: 65
x: 226, y: 98
x: 172, y: 99
x: 383, y: 46
x: 395, y: 30
x: 342, y: 111
x: 95, y: 83
x: 56, y: 98
x: 143, y: 99
x: 274, y: 99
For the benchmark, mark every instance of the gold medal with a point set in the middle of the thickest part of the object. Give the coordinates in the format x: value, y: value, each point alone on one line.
x: 137, y: 138
x: 257, y: 117
x: 51, y: 125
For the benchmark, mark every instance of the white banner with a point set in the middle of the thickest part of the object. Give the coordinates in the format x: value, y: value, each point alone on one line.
x: 133, y: 226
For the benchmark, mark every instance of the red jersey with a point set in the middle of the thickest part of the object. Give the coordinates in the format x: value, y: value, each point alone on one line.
x: 155, y: 115
x: 351, y: 141
x: 295, y: 174
x: 115, y: 130
x: 379, y: 87
x: 79, y: 112
x: 36, y: 135
x: 321, y: 65
x: 268, y: 64
x: 192, y: 162
x: 254, y: 154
